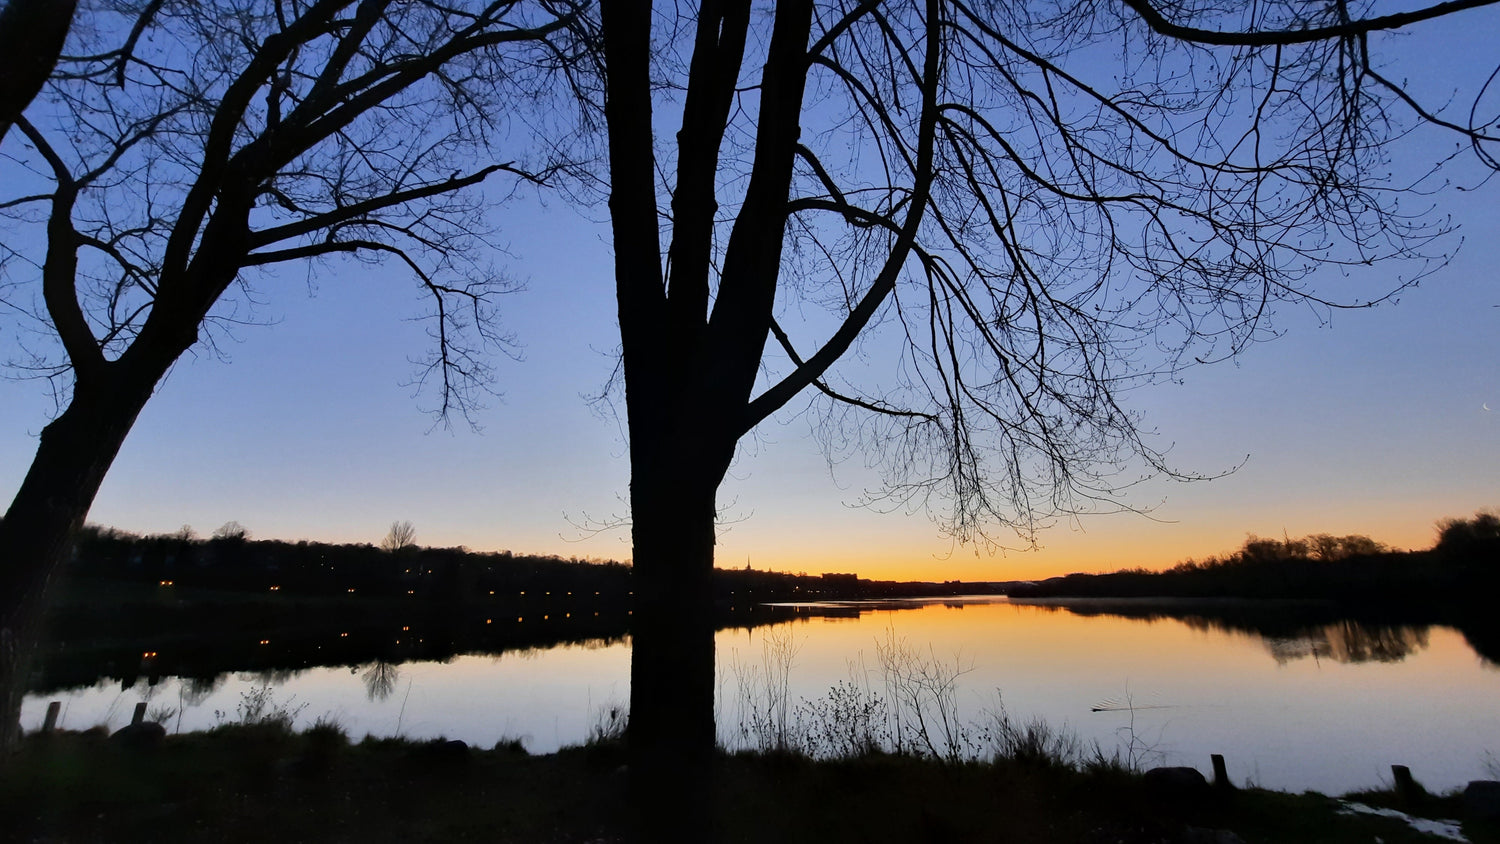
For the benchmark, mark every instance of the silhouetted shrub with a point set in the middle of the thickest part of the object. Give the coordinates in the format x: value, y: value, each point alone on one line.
x: 1474, y: 537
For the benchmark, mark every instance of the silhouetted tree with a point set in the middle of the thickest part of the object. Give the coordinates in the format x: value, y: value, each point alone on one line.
x: 32, y: 33
x: 401, y: 535
x: 1045, y: 202
x: 164, y: 169
x: 1474, y: 537
x: 231, y: 531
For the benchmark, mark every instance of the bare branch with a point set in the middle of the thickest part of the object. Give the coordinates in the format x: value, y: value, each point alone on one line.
x: 1300, y: 35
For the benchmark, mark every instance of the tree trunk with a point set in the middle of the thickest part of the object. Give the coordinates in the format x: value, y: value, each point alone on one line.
x: 32, y: 33
x: 671, y: 734
x: 75, y: 451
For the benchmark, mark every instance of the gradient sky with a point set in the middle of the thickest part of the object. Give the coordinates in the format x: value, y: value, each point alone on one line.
x: 1366, y: 422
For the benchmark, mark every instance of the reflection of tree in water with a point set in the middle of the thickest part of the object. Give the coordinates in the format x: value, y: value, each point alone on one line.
x: 1350, y: 642
x: 194, y: 690
x: 380, y: 679
x: 271, y: 676
x: 1289, y: 630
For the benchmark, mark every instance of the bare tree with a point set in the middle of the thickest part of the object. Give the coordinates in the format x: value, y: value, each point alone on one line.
x: 231, y: 531
x: 401, y: 535
x: 161, y: 174
x: 1045, y: 203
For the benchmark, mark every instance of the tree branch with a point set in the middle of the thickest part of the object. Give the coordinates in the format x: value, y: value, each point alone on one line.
x: 780, y: 393
x: 343, y: 214
x: 60, y: 268
x: 1272, y: 38
x: 791, y: 352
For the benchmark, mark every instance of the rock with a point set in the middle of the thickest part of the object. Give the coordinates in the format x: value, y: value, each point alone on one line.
x: 1176, y: 783
x: 142, y: 736
x: 1482, y: 800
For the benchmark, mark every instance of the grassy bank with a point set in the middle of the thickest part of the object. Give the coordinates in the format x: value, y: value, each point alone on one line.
x: 262, y: 782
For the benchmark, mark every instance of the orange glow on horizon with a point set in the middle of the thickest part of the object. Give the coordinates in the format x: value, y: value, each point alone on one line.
x: 1135, y: 544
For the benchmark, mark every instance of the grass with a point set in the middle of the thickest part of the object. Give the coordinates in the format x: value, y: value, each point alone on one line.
x: 263, y: 782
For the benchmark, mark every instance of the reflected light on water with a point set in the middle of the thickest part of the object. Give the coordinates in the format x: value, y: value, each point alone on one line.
x: 1329, y: 708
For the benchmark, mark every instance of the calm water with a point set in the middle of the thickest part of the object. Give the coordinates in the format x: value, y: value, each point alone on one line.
x: 1329, y: 709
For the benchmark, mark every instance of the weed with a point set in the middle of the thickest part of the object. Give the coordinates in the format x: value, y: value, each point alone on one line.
x: 1035, y: 743
x: 326, y: 730
x: 767, y: 719
x: 847, y: 723
x: 258, y: 707
x: 923, y: 691
x: 513, y: 746
x: 609, y: 725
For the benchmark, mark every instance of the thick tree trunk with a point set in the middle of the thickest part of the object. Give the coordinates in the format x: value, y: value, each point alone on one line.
x: 32, y: 33
x: 75, y: 451
x: 671, y: 736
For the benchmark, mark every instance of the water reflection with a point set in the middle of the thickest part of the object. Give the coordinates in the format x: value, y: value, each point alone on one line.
x: 1294, y: 630
x: 1350, y: 642
x: 380, y: 679
x: 195, y: 690
x: 1289, y: 631
x: 1295, y: 696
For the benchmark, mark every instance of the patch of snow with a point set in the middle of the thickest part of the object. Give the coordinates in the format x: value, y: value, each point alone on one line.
x: 1448, y: 830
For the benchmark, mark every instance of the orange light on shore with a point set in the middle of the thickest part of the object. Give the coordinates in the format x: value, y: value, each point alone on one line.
x: 148, y: 655
x: 165, y: 583
x: 275, y: 588
x: 265, y: 641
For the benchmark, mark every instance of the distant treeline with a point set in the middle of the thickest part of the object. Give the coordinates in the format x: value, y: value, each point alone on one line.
x: 149, y: 606
x: 230, y: 561
x: 1464, y: 566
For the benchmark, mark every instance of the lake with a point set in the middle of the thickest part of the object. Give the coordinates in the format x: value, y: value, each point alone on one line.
x: 1327, y: 705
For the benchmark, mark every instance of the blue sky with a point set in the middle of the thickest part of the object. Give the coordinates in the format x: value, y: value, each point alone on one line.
x: 1372, y: 423
x: 1359, y: 422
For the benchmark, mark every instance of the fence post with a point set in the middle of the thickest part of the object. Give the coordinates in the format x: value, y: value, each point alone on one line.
x: 1221, y: 773
x: 50, y: 723
x: 140, y: 714
x: 1406, y: 787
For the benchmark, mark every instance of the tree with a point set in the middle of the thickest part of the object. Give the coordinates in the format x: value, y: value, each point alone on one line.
x: 401, y: 535
x: 231, y: 531
x: 1474, y: 540
x: 164, y: 171
x: 1043, y: 204
x: 32, y: 33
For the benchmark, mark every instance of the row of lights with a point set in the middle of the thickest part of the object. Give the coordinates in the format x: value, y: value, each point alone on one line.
x: 404, y: 628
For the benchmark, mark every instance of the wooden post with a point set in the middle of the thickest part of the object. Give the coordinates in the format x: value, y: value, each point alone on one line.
x: 140, y: 714
x: 1406, y: 787
x: 1221, y: 773
x: 50, y: 723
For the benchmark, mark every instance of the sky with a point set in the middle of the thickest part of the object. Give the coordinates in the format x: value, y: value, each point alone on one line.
x: 1369, y: 422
